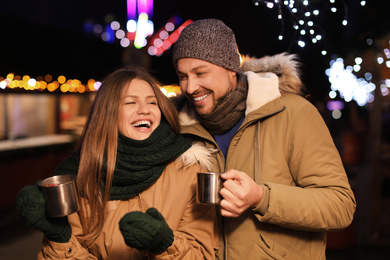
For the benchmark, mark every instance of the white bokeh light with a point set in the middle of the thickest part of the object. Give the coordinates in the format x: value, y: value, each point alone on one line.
x: 348, y: 85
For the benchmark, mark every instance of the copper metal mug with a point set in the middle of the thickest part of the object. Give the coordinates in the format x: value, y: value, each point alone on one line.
x: 60, y: 194
x: 208, y: 186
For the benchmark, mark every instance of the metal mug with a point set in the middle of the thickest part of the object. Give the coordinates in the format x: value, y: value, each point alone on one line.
x: 60, y: 194
x: 208, y: 186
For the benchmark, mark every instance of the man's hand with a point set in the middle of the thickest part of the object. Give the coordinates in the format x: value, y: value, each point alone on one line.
x: 239, y: 193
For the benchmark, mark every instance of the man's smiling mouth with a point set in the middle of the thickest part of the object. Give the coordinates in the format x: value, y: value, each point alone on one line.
x: 196, y: 99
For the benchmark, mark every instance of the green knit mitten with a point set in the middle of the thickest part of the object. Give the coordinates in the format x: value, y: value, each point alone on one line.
x: 146, y: 231
x: 30, y: 205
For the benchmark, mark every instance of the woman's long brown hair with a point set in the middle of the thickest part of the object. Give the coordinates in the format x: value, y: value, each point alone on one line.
x: 98, y: 146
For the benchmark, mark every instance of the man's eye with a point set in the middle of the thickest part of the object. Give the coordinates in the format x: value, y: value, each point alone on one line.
x: 181, y: 78
x: 201, y: 74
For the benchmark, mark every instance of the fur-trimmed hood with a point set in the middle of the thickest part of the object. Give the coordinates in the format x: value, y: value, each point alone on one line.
x: 198, y: 154
x: 284, y: 65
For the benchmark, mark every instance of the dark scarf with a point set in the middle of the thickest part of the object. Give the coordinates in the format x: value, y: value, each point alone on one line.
x: 229, y: 109
x: 140, y: 163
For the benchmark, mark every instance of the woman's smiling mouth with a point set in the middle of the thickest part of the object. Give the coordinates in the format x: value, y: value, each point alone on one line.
x: 143, y: 124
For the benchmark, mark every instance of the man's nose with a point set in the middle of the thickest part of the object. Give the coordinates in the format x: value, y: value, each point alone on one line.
x: 192, y: 86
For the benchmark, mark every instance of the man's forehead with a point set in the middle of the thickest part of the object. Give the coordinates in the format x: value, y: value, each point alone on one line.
x: 192, y: 64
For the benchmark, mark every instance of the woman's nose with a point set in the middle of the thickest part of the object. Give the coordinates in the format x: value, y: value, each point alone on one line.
x: 143, y: 108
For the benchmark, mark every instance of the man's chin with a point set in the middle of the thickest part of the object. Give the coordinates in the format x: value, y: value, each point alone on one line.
x: 202, y: 111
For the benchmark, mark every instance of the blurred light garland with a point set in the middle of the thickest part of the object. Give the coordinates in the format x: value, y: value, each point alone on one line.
x: 345, y: 81
x: 61, y: 85
x: 47, y: 83
x: 139, y: 29
x: 156, y: 43
x: 306, y: 17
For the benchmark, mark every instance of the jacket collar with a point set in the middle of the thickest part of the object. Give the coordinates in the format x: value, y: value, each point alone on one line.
x: 262, y: 88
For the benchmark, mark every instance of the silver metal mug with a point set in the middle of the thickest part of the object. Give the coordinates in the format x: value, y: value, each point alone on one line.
x: 208, y: 186
x: 60, y: 194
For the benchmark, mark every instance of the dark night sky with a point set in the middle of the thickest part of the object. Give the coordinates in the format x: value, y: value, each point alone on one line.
x: 45, y: 36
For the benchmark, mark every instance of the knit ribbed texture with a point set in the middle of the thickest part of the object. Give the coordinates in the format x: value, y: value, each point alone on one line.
x: 146, y: 231
x: 229, y: 110
x: 209, y: 40
x: 139, y: 162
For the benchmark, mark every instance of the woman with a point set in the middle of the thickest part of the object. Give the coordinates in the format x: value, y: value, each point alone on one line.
x: 136, y: 182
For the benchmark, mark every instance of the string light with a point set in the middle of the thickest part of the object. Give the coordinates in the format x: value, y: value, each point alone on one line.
x: 62, y: 85
x: 305, y: 17
x: 344, y: 79
x: 12, y: 81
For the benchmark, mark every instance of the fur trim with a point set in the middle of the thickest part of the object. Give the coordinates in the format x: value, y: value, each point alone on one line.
x: 198, y: 154
x: 265, y: 89
x: 187, y: 116
x: 284, y: 65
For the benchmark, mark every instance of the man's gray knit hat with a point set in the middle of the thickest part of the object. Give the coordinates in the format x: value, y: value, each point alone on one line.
x: 209, y: 40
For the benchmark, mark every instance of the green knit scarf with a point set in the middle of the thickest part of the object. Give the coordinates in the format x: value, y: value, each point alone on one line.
x: 140, y: 163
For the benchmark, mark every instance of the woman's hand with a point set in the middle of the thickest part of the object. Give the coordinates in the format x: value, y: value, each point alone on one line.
x: 30, y: 204
x: 146, y: 231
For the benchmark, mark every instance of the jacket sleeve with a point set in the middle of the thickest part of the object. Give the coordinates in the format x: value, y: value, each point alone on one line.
x: 70, y: 250
x: 322, y: 199
x: 196, y: 236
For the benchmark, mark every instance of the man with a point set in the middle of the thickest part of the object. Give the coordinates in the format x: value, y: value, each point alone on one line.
x: 285, y: 184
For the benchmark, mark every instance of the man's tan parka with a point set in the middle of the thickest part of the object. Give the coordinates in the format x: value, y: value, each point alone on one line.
x: 283, y: 144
